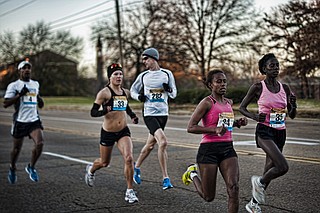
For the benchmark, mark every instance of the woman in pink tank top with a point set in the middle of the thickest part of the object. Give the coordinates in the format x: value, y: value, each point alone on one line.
x: 216, y: 148
x: 274, y: 99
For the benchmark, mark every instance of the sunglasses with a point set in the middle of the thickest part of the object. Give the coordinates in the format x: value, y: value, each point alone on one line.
x: 26, y: 67
x: 115, y: 66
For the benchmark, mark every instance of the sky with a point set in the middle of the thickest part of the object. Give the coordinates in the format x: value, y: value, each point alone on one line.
x: 74, y: 15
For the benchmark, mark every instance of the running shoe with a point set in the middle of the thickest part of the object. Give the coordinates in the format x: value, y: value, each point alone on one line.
x: 258, y: 191
x: 32, y: 173
x: 166, y: 184
x: 136, y: 174
x: 253, y: 207
x: 131, y: 196
x: 186, y: 179
x: 89, y: 178
x: 12, y: 177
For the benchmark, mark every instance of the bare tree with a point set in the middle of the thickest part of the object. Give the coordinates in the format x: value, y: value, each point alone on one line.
x: 8, y: 49
x: 65, y: 44
x: 189, y: 34
x: 36, y: 38
x: 294, y: 33
x: 142, y: 27
x: 214, y: 31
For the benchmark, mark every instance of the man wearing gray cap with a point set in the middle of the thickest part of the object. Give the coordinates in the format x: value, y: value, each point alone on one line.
x: 24, y: 95
x: 153, y: 87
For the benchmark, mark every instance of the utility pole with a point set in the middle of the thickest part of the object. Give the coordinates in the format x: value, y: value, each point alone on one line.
x: 119, y: 31
x: 99, y: 61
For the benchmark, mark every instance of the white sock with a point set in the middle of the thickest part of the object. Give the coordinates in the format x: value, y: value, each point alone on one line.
x: 193, y: 174
x: 129, y: 190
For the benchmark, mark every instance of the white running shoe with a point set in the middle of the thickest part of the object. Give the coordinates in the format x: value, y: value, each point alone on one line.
x: 258, y: 191
x: 131, y: 196
x: 89, y: 178
x: 253, y: 207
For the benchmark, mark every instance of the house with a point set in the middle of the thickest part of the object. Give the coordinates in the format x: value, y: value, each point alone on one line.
x: 56, y: 74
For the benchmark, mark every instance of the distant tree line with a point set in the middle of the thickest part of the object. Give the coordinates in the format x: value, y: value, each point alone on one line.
x: 194, y: 36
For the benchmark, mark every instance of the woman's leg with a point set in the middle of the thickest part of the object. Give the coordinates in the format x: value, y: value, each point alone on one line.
x: 229, y: 169
x: 206, y: 187
x: 279, y: 165
x: 104, y: 160
x: 125, y: 147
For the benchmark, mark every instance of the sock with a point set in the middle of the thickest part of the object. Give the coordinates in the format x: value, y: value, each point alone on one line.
x: 192, y: 175
x: 129, y: 190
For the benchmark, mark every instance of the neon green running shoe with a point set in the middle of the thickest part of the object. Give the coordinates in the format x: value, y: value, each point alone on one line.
x: 186, y: 179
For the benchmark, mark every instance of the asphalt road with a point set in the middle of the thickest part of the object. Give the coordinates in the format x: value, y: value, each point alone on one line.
x: 71, y: 141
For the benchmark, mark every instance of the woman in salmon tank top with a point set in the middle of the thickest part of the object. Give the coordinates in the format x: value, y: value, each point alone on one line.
x: 274, y: 98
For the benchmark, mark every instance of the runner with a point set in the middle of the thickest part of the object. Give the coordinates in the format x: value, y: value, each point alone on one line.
x: 113, y: 99
x: 24, y: 95
x: 156, y: 84
x: 273, y: 98
x: 216, y: 147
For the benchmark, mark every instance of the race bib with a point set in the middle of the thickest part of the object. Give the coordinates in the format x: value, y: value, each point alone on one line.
x: 277, y: 118
x: 157, y: 95
x: 30, y: 99
x: 119, y: 103
x: 227, y: 119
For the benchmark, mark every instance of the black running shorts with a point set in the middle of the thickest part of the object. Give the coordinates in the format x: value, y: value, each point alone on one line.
x: 155, y: 122
x: 110, y: 138
x: 215, y: 152
x: 20, y: 130
x: 269, y: 133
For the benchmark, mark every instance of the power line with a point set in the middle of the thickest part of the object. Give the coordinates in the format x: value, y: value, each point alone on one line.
x: 63, y: 24
x: 3, y: 2
x: 77, y: 13
x: 77, y: 24
x: 83, y: 17
x: 66, y: 24
x: 17, y: 8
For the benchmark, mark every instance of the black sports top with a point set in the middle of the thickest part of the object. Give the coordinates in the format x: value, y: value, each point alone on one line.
x: 117, y: 102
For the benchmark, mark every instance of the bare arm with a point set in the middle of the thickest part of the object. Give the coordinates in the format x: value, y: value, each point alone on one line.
x: 10, y: 101
x: 200, y: 111
x: 292, y: 102
x: 253, y: 92
x: 129, y: 111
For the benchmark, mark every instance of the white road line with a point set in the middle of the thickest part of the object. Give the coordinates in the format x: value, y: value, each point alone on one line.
x: 75, y: 120
x: 66, y: 157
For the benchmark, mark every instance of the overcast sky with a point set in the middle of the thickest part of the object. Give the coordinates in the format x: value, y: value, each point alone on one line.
x: 17, y: 14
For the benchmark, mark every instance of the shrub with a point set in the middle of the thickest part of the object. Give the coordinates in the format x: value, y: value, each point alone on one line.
x: 194, y: 96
